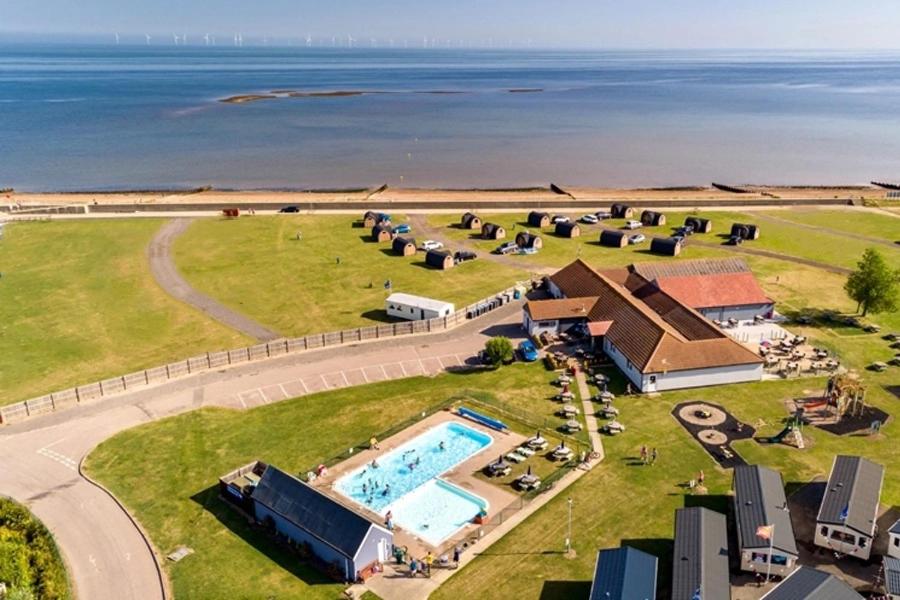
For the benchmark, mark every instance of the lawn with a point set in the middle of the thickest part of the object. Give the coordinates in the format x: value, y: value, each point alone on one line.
x: 78, y: 304
x: 870, y: 224
x: 166, y: 472
x: 258, y: 267
x: 30, y: 563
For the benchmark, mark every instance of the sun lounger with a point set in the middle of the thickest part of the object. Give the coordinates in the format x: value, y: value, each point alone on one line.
x: 525, y: 451
x: 562, y: 453
x: 527, y: 482
x: 515, y: 457
x: 536, y: 443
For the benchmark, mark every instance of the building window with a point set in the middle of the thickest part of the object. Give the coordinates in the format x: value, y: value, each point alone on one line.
x: 844, y: 538
x: 759, y: 557
x: 779, y: 560
x: 896, y: 541
x: 653, y: 379
x: 863, y: 542
x: 824, y: 531
x: 545, y: 324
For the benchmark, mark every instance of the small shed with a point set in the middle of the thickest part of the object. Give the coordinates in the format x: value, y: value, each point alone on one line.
x: 382, y: 233
x: 439, y: 259
x: 404, y: 246
x: 470, y: 221
x: 613, y: 238
x: 371, y: 219
x: 492, y: 231
x: 650, y: 218
x: 568, y: 229
x: 700, y: 225
x: 666, y: 246
x: 528, y: 240
x: 624, y: 574
x: 621, y: 211
x: 538, y: 219
x: 745, y: 231
x: 416, y: 308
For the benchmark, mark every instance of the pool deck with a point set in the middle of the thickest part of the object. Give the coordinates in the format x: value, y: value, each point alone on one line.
x: 463, y: 475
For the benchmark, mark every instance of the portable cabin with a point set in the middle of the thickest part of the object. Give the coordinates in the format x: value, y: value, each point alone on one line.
x: 807, y: 583
x: 335, y: 534
x: 470, y: 221
x: 613, y: 238
x: 404, y: 246
x: 492, y: 231
x: 568, y: 229
x: 849, y: 509
x: 667, y: 246
x: 621, y: 211
x: 650, y: 218
x: 416, y: 308
x: 382, y: 233
x: 745, y: 231
x: 538, y: 219
x: 894, y: 540
x: 891, y: 567
x: 760, y: 507
x: 439, y: 259
x: 526, y: 240
x: 371, y: 219
x: 699, y: 225
x: 700, y: 557
x: 624, y: 574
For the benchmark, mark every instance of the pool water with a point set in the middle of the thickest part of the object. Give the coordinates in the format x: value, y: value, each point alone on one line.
x: 404, y: 482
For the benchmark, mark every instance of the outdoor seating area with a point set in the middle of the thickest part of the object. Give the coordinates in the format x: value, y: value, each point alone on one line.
x: 793, y: 356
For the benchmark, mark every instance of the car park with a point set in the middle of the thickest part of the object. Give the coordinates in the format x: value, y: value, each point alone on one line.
x: 431, y: 245
x: 506, y: 248
x: 527, y: 351
x: 633, y: 224
x: 590, y: 219
x: 636, y: 238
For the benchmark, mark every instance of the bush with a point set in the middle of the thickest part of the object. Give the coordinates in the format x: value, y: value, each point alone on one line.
x: 499, y: 350
x: 30, y: 563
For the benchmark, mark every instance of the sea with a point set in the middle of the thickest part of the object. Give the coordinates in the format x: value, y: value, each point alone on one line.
x: 106, y: 117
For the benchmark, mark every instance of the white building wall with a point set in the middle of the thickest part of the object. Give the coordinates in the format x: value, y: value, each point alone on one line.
x: 411, y: 312
x: 630, y: 371
x: 538, y: 327
x: 894, y: 545
x: 756, y: 561
x: 676, y: 380
x: 850, y: 547
x: 741, y: 313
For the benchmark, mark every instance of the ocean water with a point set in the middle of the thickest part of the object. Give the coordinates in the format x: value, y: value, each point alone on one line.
x: 138, y: 117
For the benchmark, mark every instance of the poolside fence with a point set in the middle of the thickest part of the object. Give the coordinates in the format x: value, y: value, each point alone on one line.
x: 210, y: 361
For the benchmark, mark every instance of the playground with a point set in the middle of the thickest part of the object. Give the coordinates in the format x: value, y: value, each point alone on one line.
x: 841, y: 410
x: 715, y: 428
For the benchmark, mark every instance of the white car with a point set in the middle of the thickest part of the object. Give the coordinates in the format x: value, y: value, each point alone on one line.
x: 603, y: 214
x: 431, y: 245
x: 590, y: 219
x: 559, y: 219
x: 636, y: 238
x: 633, y: 224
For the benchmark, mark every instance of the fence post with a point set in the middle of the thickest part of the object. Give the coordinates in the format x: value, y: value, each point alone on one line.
x: 77, y: 395
x: 342, y: 336
x: 146, y: 379
x: 124, y: 383
x: 286, y: 346
x: 101, y: 391
x: 168, y: 375
x: 323, y: 340
x: 248, y: 354
x: 208, y: 361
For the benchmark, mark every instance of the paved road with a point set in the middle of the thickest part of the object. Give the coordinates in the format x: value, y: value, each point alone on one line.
x: 169, y: 279
x: 107, y: 556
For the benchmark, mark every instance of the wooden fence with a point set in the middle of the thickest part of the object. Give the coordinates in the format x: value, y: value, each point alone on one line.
x: 217, y: 360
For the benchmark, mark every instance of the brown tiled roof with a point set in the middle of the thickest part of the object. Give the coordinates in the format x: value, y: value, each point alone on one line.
x: 654, y: 331
x: 563, y: 308
x: 700, y: 266
x: 719, y: 289
x: 596, y: 328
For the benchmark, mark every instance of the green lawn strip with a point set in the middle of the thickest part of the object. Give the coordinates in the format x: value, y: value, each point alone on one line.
x: 258, y: 267
x: 78, y: 304
x: 858, y: 221
x: 166, y: 472
x: 30, y: 563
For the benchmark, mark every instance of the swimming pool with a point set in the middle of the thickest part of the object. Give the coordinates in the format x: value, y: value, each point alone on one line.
x: 404, y: 482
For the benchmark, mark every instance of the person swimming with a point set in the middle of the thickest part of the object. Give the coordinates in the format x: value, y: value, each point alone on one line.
x: 442, y: 446
x: 365, y: 488
x: 374, y: 464
x: 417, y: 461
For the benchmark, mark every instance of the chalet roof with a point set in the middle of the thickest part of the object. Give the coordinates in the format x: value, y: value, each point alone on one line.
x: 807, y: 583
x: 852, y: 495
x: 759, y: 500
x: 700, y: 556
x: 624, y: 574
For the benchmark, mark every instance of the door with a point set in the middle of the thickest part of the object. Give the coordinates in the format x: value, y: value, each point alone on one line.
x: 383, y: 550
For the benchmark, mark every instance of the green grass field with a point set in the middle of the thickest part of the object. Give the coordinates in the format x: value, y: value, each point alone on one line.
x: 166, y: 472
x: 863, y: 223
x: 30, y: 563
x: 256, y: 266
x: 78, y: 303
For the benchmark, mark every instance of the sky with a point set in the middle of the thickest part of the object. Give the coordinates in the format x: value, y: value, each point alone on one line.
x: 738, y: 24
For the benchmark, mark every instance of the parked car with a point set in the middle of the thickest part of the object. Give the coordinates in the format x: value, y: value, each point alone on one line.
x: 633, y: 224
x: 603, y: 215
x: 431, y: 245
x: 590, y: 219
x: 685, y: 230
x: 463, y: 256
x: 290, y: 209
x: 636, y: 238
x: 527, y: 351
x: 680, y: 239
x: 506, y: 248
x: 559, y: 219
x: 735, y: 240
x: 402, y: 228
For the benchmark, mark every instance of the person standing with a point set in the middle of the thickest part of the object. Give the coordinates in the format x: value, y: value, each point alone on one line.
x: 653, y: 456
x: 701, y: 477
x: 456, y: 556
x: 644, y: 454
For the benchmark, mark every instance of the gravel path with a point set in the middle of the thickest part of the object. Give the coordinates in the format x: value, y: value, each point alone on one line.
x: 169, y: 279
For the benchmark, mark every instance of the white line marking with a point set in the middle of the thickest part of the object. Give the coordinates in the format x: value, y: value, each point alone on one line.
x: 241, y: 400
x: 325, y: 383
x: 344, y: 375
x: 402, y: 368
x: 440, y: 362
x: 366, y: 377
x: 303, y: 383
x: 263, y: 394
x: 383, y: 371
x: 55, y: 443
x: 283, y: 391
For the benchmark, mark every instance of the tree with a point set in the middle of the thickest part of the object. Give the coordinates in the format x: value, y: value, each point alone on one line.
x: 873, y: 284
x: 499, y: 350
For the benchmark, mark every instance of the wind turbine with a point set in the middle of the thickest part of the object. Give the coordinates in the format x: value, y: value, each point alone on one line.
x: 147, y: 35
x: 350, y: 41
x: 184, y: 39
x: 308, y: 40
x: 175, y: 37
x: 206, y: 39
x: 117, y: 39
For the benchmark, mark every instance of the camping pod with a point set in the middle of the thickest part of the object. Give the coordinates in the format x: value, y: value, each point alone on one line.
x: 621, y: 211
x: 529, y: 241
x: 538, y: 219
x: 699, y: 225
x: 404, y: 246
x: 613, y: 238
x: 439, y: 259
x: 492, y: 231
x: 650, y: 218
x: 666, y: 246
x: 371, y: 219
x: 568, y: 229
x: 745, y: 231
x: 470, y: 221
x: 382, y: 233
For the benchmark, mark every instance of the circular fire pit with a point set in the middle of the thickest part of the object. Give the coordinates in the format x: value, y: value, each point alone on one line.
x: 702, y: 414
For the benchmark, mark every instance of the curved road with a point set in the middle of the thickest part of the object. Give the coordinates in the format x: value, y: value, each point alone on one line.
x: 105, y: 552
x: 169, y: 279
